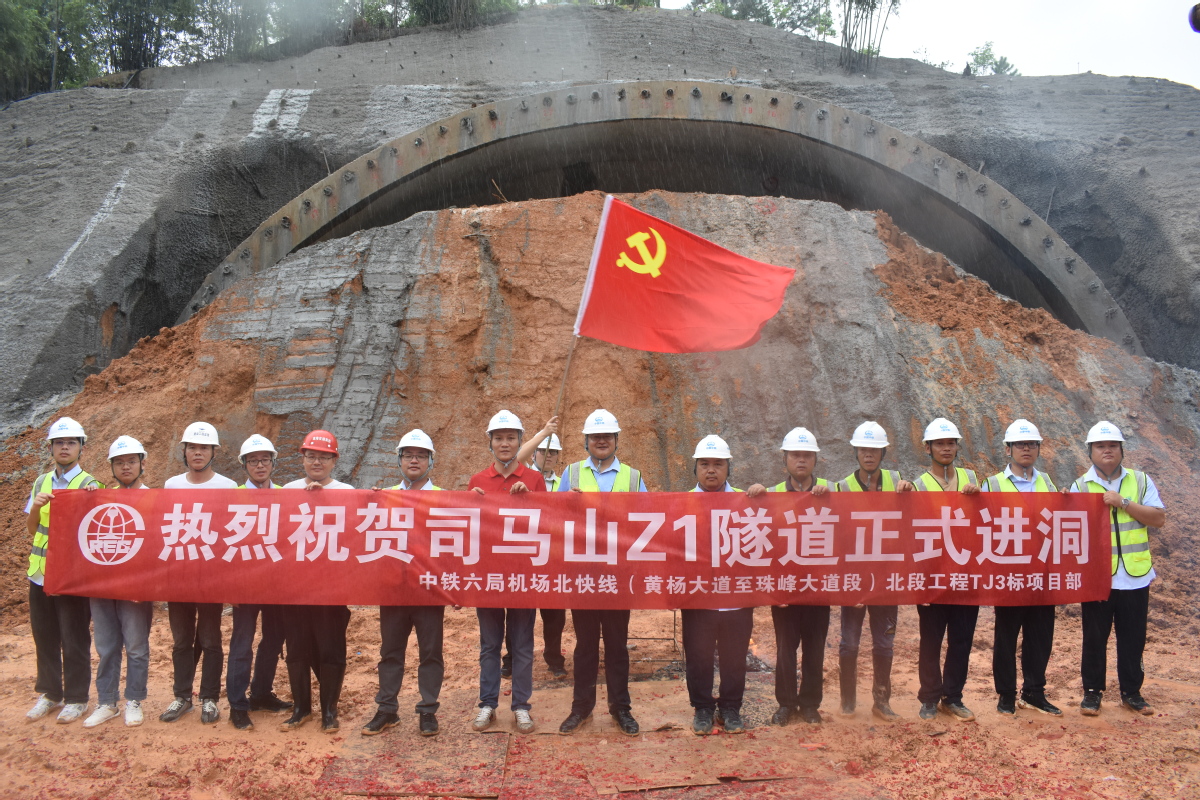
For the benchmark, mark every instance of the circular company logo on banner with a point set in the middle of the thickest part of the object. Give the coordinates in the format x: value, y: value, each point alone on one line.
x: 109, y: 534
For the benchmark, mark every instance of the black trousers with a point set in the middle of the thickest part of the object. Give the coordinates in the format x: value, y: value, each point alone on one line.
x: 554, y: 622
x: 242, y: 655
x: 955, y: 624
x: 1125, y: 610
x: 62, y: 640
x: 316, y: 643
x: 590, y: 625
x: 395, y: 625
x: 804, y: 627
x: 1037, y: 622
x: 196, y: 630
x: 727, y: 633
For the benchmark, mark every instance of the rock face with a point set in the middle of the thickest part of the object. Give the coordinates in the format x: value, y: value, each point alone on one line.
x: 441, y: 320
x: 116, y: 204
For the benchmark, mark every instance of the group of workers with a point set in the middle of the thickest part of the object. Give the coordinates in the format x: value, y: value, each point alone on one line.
x: 315, y: 636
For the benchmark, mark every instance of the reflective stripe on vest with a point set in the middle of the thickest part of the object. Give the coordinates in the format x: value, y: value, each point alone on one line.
x: 628, y: 479
x: 1130, y: 538
x: 782, y: 487
x: 928, y: 483
x: 887, y: 482
x: 1003, y: 483
x: 41, y: 537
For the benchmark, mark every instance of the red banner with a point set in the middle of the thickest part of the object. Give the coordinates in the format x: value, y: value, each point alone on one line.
x: 571, y: 550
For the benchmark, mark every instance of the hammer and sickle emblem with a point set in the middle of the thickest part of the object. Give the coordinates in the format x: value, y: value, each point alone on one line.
x: 650, y: 263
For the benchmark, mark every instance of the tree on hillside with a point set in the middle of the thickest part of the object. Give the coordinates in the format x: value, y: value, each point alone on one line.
x: 46, y: 44
x: 863, y: 25
x: 807, y: 16
x: 984, y: 62
x: 139, y: 34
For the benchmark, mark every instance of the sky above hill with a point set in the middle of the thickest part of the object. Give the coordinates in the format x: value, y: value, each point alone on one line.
x: 1049, y: 37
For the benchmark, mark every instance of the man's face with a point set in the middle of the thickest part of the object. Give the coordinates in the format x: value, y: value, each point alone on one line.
x: 65, y: 451
x: 414, y: 462
x: 712, y: 473
x: 1107, y: 455
x: 869, y: 458
x: 943, y: 451
x: 800, y: 464
x: 259, y: 466
x: 126, y: 468
x: 545, y: 460
x: 505, y: 444
x: 1024, y: 454
x: 198, y: 456
x: 318, y: 466
x: 601, y: 446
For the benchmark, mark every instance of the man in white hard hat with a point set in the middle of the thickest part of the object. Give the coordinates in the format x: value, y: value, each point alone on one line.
x: 316, y: 635
x: 545, y: 460
x: 258, y: 457
x: 601, y: 471
x: 870, y: 443
x: 942, y: 685
x: 196, y: 623
x: 801, y: 627
x: 122, y: 626
x: 1135, y: 507
x: 505, y: 474
x: 61, y: 636
x: 415, y: 454
x: 725, y: 630
x: 1023, y: 445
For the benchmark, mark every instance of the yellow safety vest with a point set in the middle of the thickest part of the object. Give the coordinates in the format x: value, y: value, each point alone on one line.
x: 928, y: 483
x: 782, y: 487
x: 628, y: 479
x: 432, y: 488
x: 554, y: 484
x: 274, y: 485
x: 1130, y: 538
x: 1002, y: 483
x: 887, y: 482
x: 41, y: 537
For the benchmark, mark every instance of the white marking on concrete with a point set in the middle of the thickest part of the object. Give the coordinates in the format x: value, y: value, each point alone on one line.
x: 286, y: 107
x: 106, y: 208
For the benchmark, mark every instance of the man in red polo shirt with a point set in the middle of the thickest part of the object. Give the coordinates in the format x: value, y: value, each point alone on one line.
x: 506, y: 474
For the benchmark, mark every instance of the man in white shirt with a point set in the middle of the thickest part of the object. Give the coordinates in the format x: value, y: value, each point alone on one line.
x: 192, y: 622
x: 1135, y: 507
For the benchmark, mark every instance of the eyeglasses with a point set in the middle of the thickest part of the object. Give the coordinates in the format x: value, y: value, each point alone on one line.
x: 414, y: 456
x: 258, y: 462
x: 322, y: 457
x: 1025, y: 445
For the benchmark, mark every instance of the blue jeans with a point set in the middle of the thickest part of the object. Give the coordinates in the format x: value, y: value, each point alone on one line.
x: 122, y: 625
x: 241, y: 654
x: 491, y: 639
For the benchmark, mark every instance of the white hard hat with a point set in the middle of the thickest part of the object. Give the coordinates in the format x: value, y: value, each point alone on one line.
x: 125, y: 445
x: 257, y: 444
x: 551, y: 444
x: 712, y: 446
x: 1022, y: 430
x: 869, y: 434
x: 600, y: 421
x: 941, y: 428
x: 800, y: 439
x: 66, y: 428
x: 505, y: 420
x: 1104, y: 432
x: 200, y: 433
x: 415, y: 438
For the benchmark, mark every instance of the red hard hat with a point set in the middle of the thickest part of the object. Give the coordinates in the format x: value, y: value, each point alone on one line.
x: 320, y: 441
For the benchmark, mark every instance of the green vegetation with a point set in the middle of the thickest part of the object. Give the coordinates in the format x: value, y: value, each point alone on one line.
x: 984, y: 62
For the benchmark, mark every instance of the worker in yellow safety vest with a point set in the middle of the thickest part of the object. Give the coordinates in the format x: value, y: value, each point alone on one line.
x: 601, y: 471
x: 1135, y: 507
x: 62, y: 638
x: 870, y: 443
x: 942, y: 684
x: 1023, y: 445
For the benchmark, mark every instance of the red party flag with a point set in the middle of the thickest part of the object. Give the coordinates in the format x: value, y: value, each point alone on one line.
x: 654, y: 286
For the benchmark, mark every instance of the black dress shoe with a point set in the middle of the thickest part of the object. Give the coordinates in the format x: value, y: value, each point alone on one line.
x: 269, y: 703
x: 810, y: 715
x: 240, y: 719
x: 428, y: 723
x: 298, y: 718
x: 573, y: 721
x: 381, y: 720
x: 626, y: 722
x: 782, y: 716
x: 329, y: 722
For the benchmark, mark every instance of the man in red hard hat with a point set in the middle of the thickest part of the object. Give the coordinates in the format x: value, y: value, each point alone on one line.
x: 316, y: 635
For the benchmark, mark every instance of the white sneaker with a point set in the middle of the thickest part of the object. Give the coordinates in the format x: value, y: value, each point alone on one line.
x: 42, y: 707
x: 102, y: 714
x: 71, y: 712
x: 524, y: 721
x: 485, y: 718
x: 133, y: 713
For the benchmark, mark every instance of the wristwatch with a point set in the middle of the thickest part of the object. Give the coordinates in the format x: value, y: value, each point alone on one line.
x: 1124, y: 502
